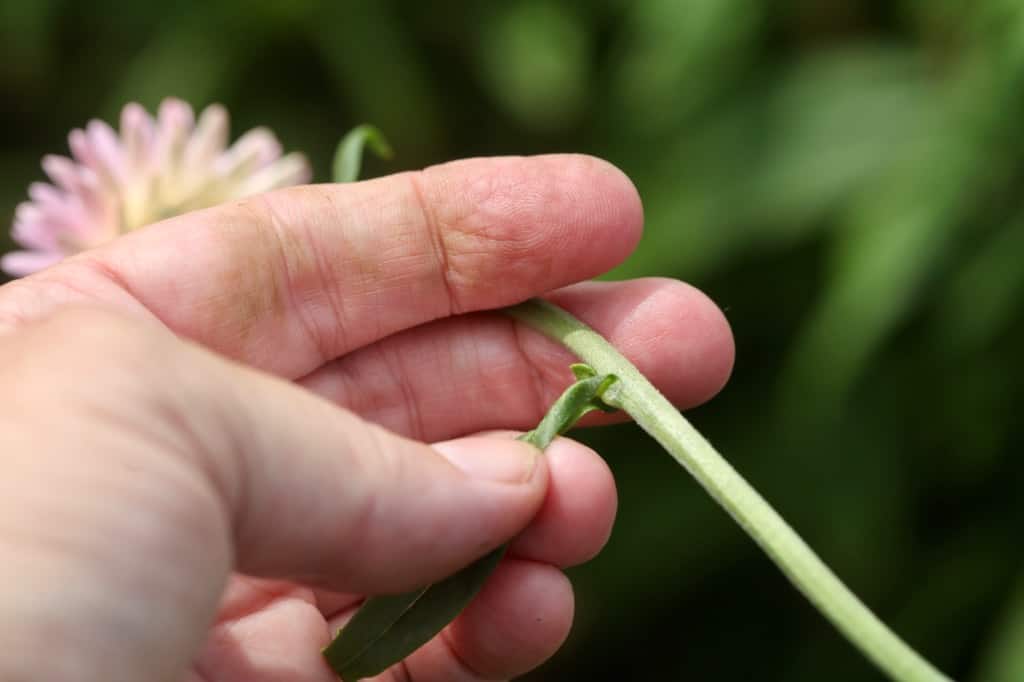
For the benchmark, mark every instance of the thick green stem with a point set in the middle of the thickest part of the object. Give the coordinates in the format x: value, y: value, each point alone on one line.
x: 634, y: 394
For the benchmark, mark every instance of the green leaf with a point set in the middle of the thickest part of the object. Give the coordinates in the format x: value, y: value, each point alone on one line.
x: 389, y: 628
x: 348, y: 159
x: 386, y: 629
x: 582, y: 397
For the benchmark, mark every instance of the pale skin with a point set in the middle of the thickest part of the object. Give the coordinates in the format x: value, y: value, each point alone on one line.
x: 218, y: 432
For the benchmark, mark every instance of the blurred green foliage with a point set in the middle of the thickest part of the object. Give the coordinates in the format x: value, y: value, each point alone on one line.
x: 844, y: 178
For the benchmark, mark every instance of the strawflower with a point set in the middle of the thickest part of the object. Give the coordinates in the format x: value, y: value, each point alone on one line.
x: 152, y: 168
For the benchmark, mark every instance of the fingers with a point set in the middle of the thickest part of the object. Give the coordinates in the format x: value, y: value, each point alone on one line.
x: 197, y: 464
x: 318, y: 495
x: 520, y: 618
x: 270, y: 631
x: 290, y: 279
x: 576, y: 519
x: 524, y: 611
x: 479, y: 372
x: 572, y: 525
x: 517, y: 621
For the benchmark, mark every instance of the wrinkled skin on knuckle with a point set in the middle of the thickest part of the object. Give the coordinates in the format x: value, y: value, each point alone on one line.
x: 475, y: 232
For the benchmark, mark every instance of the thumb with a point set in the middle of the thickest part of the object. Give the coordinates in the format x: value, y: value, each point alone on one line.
x: 319, y: 495
x: 316, y: 494
x: 171, y: 466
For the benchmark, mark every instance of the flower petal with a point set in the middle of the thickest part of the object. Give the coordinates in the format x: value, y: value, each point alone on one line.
x: 174, y: 124
x: 137, y: 132
x: 209, y: 139
x: 21, y: 263
x: 44, y: 193
x: 253, y: 150
x: 63, y: 172
x: 34, y: 234
x: 106, y: 148
x: 292, y: 169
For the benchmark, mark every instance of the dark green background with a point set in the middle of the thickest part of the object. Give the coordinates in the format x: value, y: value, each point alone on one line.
x: 844, y: 178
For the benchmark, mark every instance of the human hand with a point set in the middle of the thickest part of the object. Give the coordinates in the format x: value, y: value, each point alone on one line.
x: 142, y: 469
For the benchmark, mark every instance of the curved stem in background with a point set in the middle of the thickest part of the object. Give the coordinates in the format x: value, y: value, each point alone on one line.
x: 634, y: 394
x: 348, y: 157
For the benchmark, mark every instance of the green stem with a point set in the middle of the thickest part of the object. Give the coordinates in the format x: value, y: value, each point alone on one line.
x: 634, y: 394
x: 388, y: 628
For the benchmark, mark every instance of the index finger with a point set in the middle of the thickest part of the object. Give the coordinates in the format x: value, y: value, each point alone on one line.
x: 291, y: 279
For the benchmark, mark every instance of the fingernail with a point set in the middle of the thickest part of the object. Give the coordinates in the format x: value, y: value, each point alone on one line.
x: 492, y: 459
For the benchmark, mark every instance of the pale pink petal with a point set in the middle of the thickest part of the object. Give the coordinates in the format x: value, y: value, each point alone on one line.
x: 300, y: 171
x: 79, y: 214
x: 63, y: 172
x: 76, y: 180
x: 107, y: 149
x: 70, y: 204
x: 47, y: 226
x: 81, y: 150
x: 45, y: 193
x: 292, y: 169
x: 21, y: 263
x: 137, y: 132
x: 79, y: 223
x: 95, y: 191
x: 27, y: 212
x: 173, y: 126
x: 175, y: 113
x: 252, y: 151
x: 35, y: 235
x: 209, y: 139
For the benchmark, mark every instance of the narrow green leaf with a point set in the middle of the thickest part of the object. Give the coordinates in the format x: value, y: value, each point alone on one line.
x: 377, y: 616
x: 386, y: 629
x: 582, y: 397
x: 348, y: 159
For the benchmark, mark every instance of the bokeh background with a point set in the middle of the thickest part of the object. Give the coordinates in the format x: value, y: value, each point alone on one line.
x: 844, y: 178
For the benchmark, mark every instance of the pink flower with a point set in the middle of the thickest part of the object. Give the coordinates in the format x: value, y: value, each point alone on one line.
x: 152, y: 169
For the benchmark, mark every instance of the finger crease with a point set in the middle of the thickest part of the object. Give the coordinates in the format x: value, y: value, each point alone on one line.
x: 436, y: 236
x: 334, y: 296
x: 467, y: 671
x: 277, y: 229
x: 401, y: 672
x: 393, y: 361
x: 535, y: 378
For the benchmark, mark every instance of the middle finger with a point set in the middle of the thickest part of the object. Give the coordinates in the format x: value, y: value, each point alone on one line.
x: 478, y: 372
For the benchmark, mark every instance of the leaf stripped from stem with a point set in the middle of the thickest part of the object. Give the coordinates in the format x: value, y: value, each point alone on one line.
x: 388, y: 628
x: 634, y: 394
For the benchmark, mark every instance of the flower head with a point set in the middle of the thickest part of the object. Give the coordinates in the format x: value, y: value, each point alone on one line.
x: 153, y: 168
